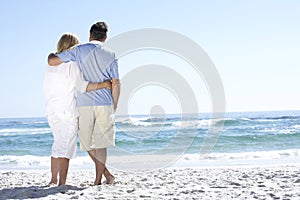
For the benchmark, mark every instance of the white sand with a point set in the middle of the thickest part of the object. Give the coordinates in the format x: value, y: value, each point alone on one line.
x: 279, y: 182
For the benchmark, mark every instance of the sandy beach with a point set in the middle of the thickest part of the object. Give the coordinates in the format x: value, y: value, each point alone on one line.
x: 265, y: 182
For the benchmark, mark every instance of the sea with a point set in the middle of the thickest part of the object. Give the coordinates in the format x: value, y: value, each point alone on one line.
x: 245, y: 138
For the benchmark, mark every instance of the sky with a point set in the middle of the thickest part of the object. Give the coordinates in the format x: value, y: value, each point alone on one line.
x: 254, y: 45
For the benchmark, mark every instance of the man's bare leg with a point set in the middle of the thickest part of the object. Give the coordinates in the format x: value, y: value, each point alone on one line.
x: 54, y: 170
x: 108, y: 176
x: 99, y: 158
x: 63, y: 170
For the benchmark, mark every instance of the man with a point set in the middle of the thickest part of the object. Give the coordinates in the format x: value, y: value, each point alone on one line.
x: 96, y: 109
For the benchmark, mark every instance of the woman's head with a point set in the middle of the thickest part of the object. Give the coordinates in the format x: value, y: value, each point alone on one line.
x: 67, y: 41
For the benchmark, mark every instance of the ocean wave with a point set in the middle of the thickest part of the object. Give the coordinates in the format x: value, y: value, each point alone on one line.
x: 132, y: 121
x: 279, y: 131
x: 29, y: 162
x: 25, y: 121
x: 23, y: 131
x: 198, y: 124
x: 263, y: 134
x: 183, y: 122
x: 297, y: 126
x: 243, y: 124
x: 284, y: 117
x: 254, y: 155
x: 24, y: 161
x: 191, y: 124
x: 140, y: 122
x: 266, y: 120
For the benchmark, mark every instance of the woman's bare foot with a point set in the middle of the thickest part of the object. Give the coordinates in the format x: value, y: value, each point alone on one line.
x: 53, y: 182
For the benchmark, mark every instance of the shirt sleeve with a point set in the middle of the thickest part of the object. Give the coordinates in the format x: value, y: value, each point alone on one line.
x: 114, y: 69
x: 69, y: 55
x: 77, y: 77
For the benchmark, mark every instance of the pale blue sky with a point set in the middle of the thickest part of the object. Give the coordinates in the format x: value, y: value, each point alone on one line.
x: 255, y: 45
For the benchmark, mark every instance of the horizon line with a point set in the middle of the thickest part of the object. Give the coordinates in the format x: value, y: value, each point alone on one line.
x: 140, y: 114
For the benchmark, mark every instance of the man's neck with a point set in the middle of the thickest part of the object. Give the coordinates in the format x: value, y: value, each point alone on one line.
x: 92, y: 39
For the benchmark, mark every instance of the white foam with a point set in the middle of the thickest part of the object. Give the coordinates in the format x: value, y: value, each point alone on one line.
x: 26, y: 161
x: 29, y: 162
x: 16, y: 131
x: 268, y: 120
x: 138, y: 160
x: 248, y: 155
x: 246, y: 119
x: 297, y: 126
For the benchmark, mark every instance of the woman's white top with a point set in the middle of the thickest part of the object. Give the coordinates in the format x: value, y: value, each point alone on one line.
x: 60, y: 85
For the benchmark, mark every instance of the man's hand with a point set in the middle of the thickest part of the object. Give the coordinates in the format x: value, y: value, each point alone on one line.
x: 115, y: 91
x: 106, y: 84
x: 54, y: 60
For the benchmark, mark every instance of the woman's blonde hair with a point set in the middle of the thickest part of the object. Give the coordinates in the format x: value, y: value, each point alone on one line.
x: 67, y: 41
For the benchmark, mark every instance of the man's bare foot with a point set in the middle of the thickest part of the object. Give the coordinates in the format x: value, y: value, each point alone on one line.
x: 109, y: 177
x: 97, y: 182
x: 110, y: 180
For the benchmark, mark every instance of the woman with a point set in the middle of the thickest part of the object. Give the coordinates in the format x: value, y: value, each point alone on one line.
x: 60, y: 85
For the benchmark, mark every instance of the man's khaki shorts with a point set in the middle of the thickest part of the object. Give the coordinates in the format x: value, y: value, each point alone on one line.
x: 96, y: 127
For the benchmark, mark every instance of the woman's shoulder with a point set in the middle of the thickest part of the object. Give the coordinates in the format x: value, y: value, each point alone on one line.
x: 63, y: 68
x: 67, y: 65
x: 62, y: 65
x: 70, y: 63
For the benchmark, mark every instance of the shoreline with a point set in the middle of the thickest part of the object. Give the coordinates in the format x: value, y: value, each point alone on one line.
x: 153, y: 162
x: 239, y: 182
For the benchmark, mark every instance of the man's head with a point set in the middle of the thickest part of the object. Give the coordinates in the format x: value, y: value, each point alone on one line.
x: 98, y: 31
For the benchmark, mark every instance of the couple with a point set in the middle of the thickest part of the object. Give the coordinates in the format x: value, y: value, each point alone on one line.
x: 92, y: 70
